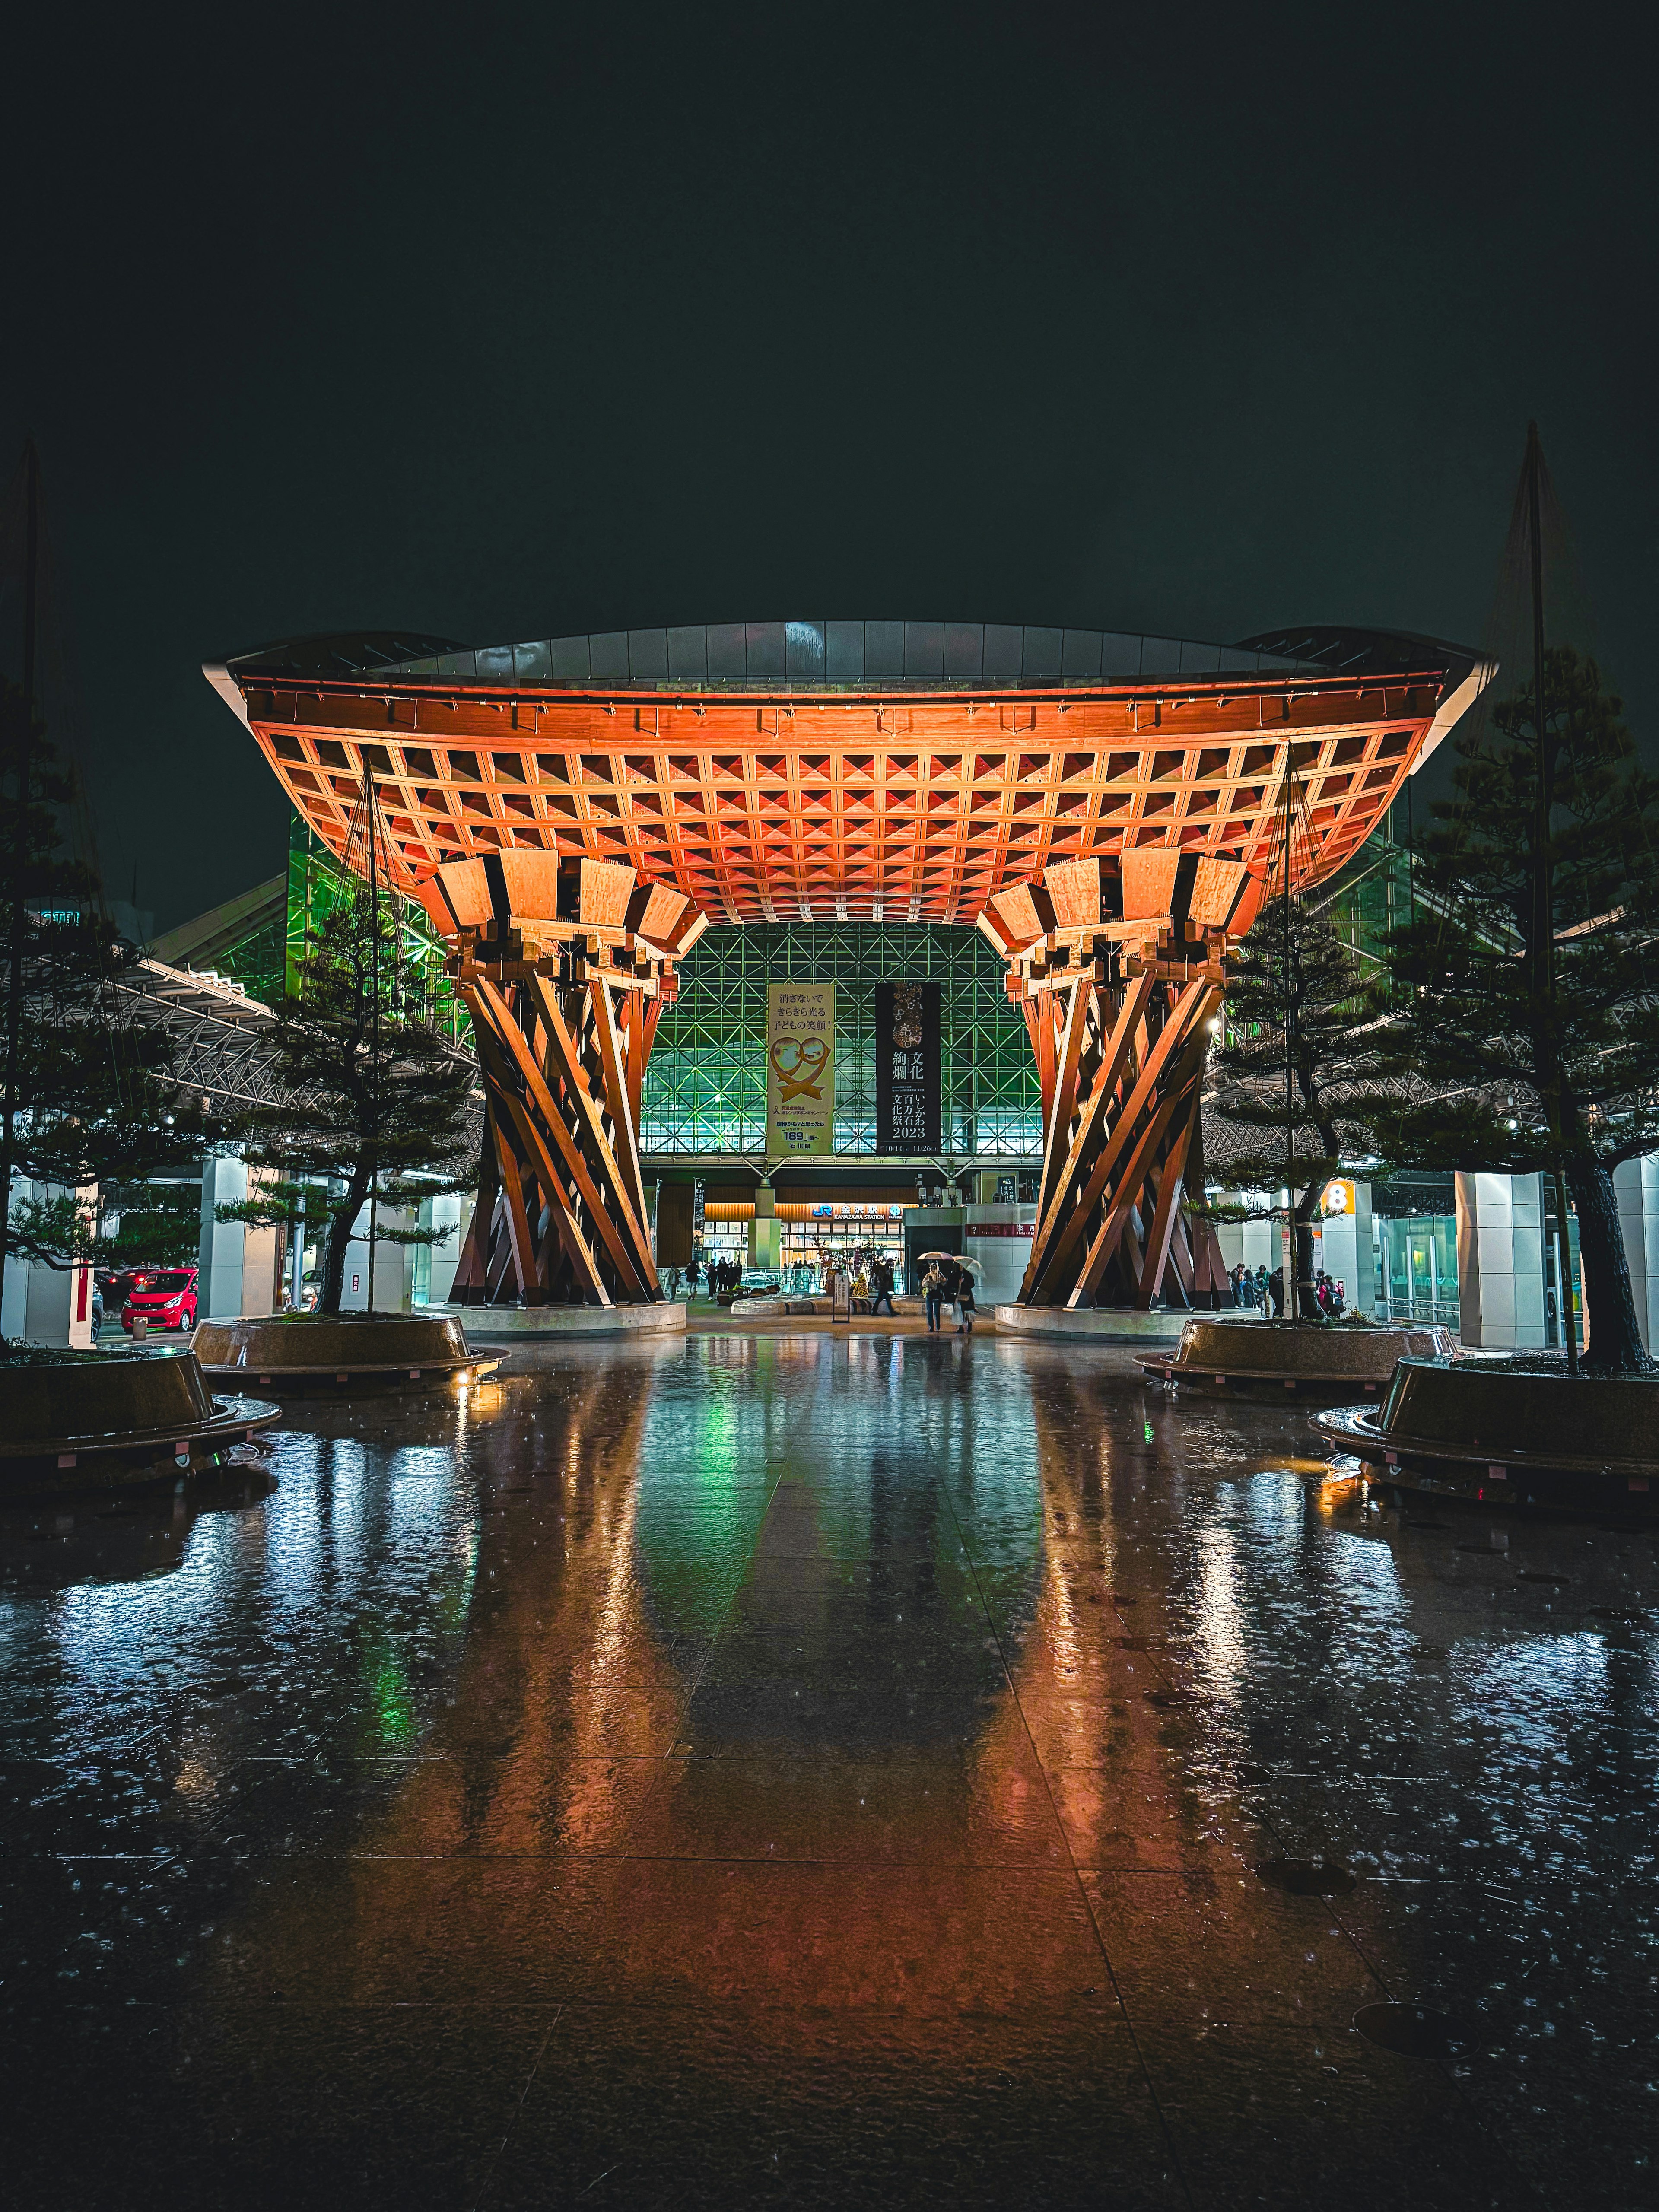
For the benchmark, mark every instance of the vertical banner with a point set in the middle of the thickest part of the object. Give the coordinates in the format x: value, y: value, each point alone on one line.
x: 800, y: 1069
x: 907, y: 1068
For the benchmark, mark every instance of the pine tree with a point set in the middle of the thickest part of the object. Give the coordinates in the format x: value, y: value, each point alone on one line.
x: 156, y: 1223
x: 88, y: 1096
x: 1292, y: 1099
x: 1541, y: 1052
x: 377, y: 1096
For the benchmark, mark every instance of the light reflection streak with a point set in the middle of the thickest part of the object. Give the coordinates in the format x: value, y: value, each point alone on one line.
x: 1223, y: 1651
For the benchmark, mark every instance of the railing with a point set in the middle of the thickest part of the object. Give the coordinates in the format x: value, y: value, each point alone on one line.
x: 1443, y: 1310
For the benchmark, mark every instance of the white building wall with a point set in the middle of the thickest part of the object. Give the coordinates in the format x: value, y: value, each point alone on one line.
x: 453, y: 1212
x: 1002, y: 1254
x: 220, y: 1254
x: 236, y: 1264
x: 80, y: 1309
x: 46, y: 1320
x: 15, y: 1304
x: 259, y: 1253
x: 393, y: 1265
x: 1636, y: 1185
x: 48, y: 1305
x: 1500, y: 1261
x: 1343, y: 1248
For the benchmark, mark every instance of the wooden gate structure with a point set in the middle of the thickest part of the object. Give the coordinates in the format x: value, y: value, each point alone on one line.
x: 565, y: 969
x: 572, y: 809
x: 1119, y: 976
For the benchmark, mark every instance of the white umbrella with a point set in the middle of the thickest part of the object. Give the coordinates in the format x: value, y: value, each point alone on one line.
x: 961, y: 1259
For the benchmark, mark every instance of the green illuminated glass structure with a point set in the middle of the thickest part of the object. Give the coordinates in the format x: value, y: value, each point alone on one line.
x: 705, y: 1090
x: 316, y: 884
x: 1372, y: 894
x: 259, y: 940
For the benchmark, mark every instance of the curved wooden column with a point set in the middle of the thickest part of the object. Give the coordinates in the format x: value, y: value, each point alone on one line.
x: 564, y: 969
x: 1119, y: 978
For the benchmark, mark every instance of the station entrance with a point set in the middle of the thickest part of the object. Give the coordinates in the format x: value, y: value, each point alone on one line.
x: 574, y: 813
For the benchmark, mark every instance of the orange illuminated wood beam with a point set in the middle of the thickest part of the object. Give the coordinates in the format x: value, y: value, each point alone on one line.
x: 770, y: 804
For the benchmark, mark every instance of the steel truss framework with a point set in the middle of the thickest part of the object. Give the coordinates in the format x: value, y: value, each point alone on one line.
x: 223, y: 1040
x: 1119, y: 1012
x: 706, y: 1089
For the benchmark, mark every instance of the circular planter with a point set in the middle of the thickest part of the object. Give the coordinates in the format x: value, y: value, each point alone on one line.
x: 1276, y: 1362
x: 1502, y: 1435
x: 336, y: 1354
x: 514, y: 1324
x: 115, y: 1419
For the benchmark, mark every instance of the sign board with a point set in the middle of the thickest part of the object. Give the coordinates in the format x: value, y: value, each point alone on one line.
x: 800, y: 1070
x: 907, y: 1068
x: 1340, y: 1198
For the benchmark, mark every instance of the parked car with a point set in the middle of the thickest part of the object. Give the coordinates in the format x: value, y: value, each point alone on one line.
x: 166, y: 1301
x: 118, y: 1285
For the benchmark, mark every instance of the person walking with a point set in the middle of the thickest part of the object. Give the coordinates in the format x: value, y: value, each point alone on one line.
x: 1259, y: 1299
x: 964, y: 1290
x: 881, y: 1283
x: 933, y: 1294
x: 1276, y: 1289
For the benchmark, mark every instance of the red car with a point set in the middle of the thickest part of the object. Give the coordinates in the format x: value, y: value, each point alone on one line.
x: 168, y: 1300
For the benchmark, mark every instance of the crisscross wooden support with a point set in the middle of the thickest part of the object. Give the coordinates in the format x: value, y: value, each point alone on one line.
x: 1118, y: 976
x: 564, y: 968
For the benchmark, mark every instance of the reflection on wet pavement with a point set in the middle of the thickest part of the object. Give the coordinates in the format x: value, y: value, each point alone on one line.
x: 802, y: 1770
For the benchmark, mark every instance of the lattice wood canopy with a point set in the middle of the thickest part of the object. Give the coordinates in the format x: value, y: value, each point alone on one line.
x: 837, y: 770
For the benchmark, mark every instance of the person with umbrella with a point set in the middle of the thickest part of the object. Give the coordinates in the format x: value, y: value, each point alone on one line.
x: 956, y: 1282
x: 964, y: 1270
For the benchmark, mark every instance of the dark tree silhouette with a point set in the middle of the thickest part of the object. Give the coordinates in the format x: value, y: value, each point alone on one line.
x: 376, y: 1097
x: 1293, y: 969
x: 89, y: 1094
x: 159, y: 1223
x: 1537, y: 1053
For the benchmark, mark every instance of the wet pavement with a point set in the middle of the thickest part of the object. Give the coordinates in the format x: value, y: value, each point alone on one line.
x: 789, y: 1770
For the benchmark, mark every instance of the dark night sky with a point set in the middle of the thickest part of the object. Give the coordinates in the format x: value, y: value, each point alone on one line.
x: 505, y: 323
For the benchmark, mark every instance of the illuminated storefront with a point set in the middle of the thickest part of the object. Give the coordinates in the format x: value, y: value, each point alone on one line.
x: 850, y: 1235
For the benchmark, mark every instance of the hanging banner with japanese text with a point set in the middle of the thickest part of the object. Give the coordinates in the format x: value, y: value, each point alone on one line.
x: 907, y: 1068
x: 800, y: 1070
